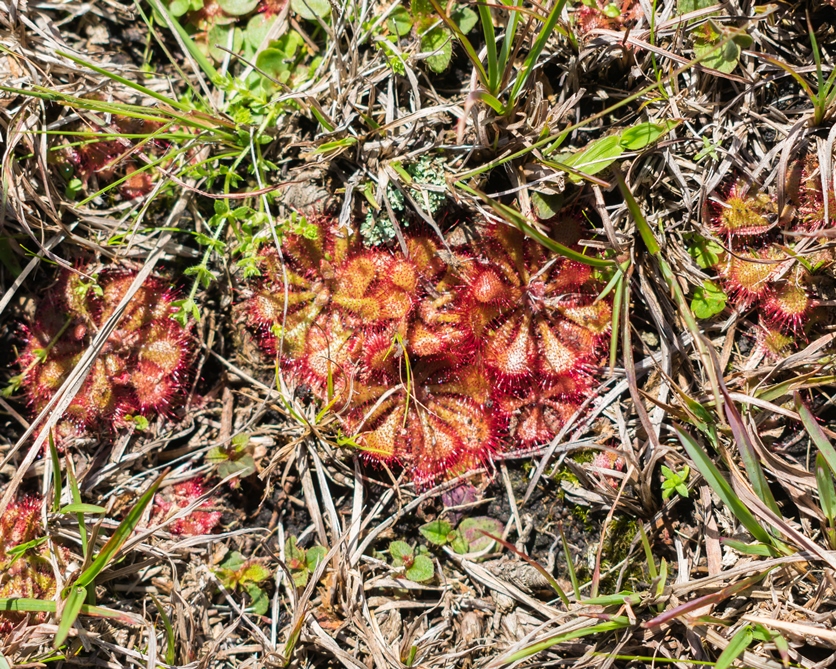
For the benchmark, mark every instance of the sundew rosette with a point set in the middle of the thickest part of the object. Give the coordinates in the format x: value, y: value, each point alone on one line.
x: 142, y: 368
x: 438, y: 358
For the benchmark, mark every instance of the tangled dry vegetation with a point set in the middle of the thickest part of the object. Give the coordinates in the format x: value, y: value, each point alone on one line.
x: 384, y: 334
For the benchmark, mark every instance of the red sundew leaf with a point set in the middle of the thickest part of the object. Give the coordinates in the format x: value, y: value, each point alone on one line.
x: 742, y: 215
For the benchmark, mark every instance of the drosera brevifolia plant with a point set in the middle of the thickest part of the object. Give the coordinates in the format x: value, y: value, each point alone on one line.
x: 174, y: 499
x: 769, y: 265
x: 434, y: 364
x: 142, y: 369
x: 25, y: 562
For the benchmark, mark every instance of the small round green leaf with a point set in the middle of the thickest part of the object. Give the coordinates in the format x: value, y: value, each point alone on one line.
x: 422, y: 569
x: 314, y: 556
x: 256, y: 30
x: 439, y: 41
x: 399, y: 21
x: 709, y: 300
x: 464, y: 18
x: 311, y: 9
x: 459, y: 544
x: 612, y: 11
x: 179, y: 7
x: 237, y: 7
x: 400, y: 550
x: 436, y: 532
x: 219, y: 37
x: 474, y: 532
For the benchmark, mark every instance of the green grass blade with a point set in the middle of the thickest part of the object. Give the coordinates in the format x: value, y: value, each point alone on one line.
x: 30, y: 605
x: 622, y: 296
x: 827, y: 492
x: 126, y: 82
x: 814, y: 45
x: 737, y: 645
x: 648, y: 553
x: 80, y: 507
x: 816, y: 433
x: 72, y: 607
x: 120, y: 535
x: 508, y: 40
x: 536, y: 50
x: 722, y: 487
x: 170, y: 649
x: 748, y: 454
x: 494, y: 74
x: 489, y: 100
x: 570, y: 565
x: 643, y: 227
x: 56, y: 472
x: 76, y: 496
x: 610, y: 626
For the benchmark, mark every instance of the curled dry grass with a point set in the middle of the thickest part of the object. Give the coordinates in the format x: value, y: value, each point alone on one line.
x: 740, y: 570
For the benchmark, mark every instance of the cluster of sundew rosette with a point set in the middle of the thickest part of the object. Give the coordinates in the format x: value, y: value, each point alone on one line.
x: 436, y: 358
x: 142, y: 368
x: 28, y: 573
x: 766, y: 269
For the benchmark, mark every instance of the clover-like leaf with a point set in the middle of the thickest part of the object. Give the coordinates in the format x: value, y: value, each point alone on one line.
x: 439, y: 41
x: 719, y: 48
x: 459, y: 543
x: 465, y: 18
x: 709, y: 300
x: 399, y: 21
x: 401, y: 552
x: 237, y: 7
x: 259, y: 601
x: 315, y: 555
x: 436, y: 532
x: 422, y: 569
x: 474, y: 530
x: 311, y: 9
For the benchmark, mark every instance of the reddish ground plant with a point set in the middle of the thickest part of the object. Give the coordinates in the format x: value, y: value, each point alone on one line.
x: 769, y: 265
x: 99, y: 162
x: 26, y: 573
x: 606, y: 14
x: 142, y: 368
x: 202, y: 520
x: 433, y: 364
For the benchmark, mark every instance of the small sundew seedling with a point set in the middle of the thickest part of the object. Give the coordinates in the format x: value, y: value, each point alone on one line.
x: 202, y: 520
x: 767, y: 266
